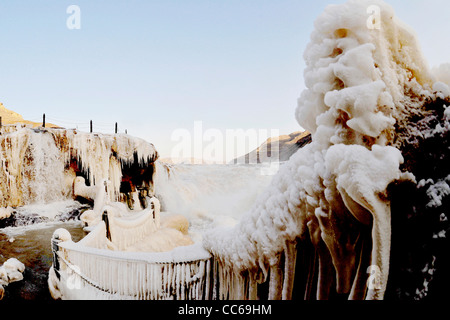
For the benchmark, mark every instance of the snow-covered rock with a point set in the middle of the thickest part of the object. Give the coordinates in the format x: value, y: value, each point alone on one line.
x: 11, y: 271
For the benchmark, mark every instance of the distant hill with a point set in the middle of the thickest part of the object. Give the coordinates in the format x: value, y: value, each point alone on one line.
x: 11, y: 117
x: 276, y: 149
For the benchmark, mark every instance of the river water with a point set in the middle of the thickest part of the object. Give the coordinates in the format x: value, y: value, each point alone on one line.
x: 31, y: 245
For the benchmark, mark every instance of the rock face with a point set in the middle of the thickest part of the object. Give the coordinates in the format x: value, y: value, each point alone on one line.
x: 276, y: 149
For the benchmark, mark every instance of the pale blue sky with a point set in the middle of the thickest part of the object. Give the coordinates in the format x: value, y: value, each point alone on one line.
x: 157, y: 66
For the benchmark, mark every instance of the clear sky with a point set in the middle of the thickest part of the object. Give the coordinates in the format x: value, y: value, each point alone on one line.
x: 155, y: 66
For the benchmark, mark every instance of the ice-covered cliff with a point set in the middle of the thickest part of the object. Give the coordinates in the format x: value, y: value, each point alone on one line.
x: 39, y: 165
x: 325, y: 221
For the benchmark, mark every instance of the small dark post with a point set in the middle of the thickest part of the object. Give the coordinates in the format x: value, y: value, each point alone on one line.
x: 116, y: 127
x: 91, y: 126
x: 0, y: 122
x: 105, y: 218
x: 126, y: 131
x: 43, y: 120
x: 55, y: 248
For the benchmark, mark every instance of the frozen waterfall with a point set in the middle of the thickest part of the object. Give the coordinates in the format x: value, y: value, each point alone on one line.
x: 330, y: 203
x: 40, y: 165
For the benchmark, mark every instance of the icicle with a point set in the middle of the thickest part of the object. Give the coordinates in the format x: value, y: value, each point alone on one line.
x: 290, y: 257
x: 154, y: 281
x: 183, y: 280
x: 275, y: 282
x: 148, y: 284
x: 252, y: 291
x: 165, y: 276
x: 177, y: 281
x: 208, y: 279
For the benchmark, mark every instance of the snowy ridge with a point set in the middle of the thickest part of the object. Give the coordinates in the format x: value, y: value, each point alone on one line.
x: 362, y: 83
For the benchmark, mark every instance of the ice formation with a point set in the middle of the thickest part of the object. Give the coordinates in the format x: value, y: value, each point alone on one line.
x: 363, y: 86
x: 99, y: 194
x: 158, y: 244
x: 140, y: 255
x: 208, y: 195
x: 11, y: 271
x: 40, y: 165
x: 182, y: 273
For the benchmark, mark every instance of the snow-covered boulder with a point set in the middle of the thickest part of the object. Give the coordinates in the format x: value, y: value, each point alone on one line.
x: 11, y: 271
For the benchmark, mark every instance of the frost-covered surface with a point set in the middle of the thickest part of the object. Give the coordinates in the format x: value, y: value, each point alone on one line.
x: 114, y: 227
x: 89, y: 269
x: 363, y: 86
x: 144, y: 230
x: 38, y: 165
